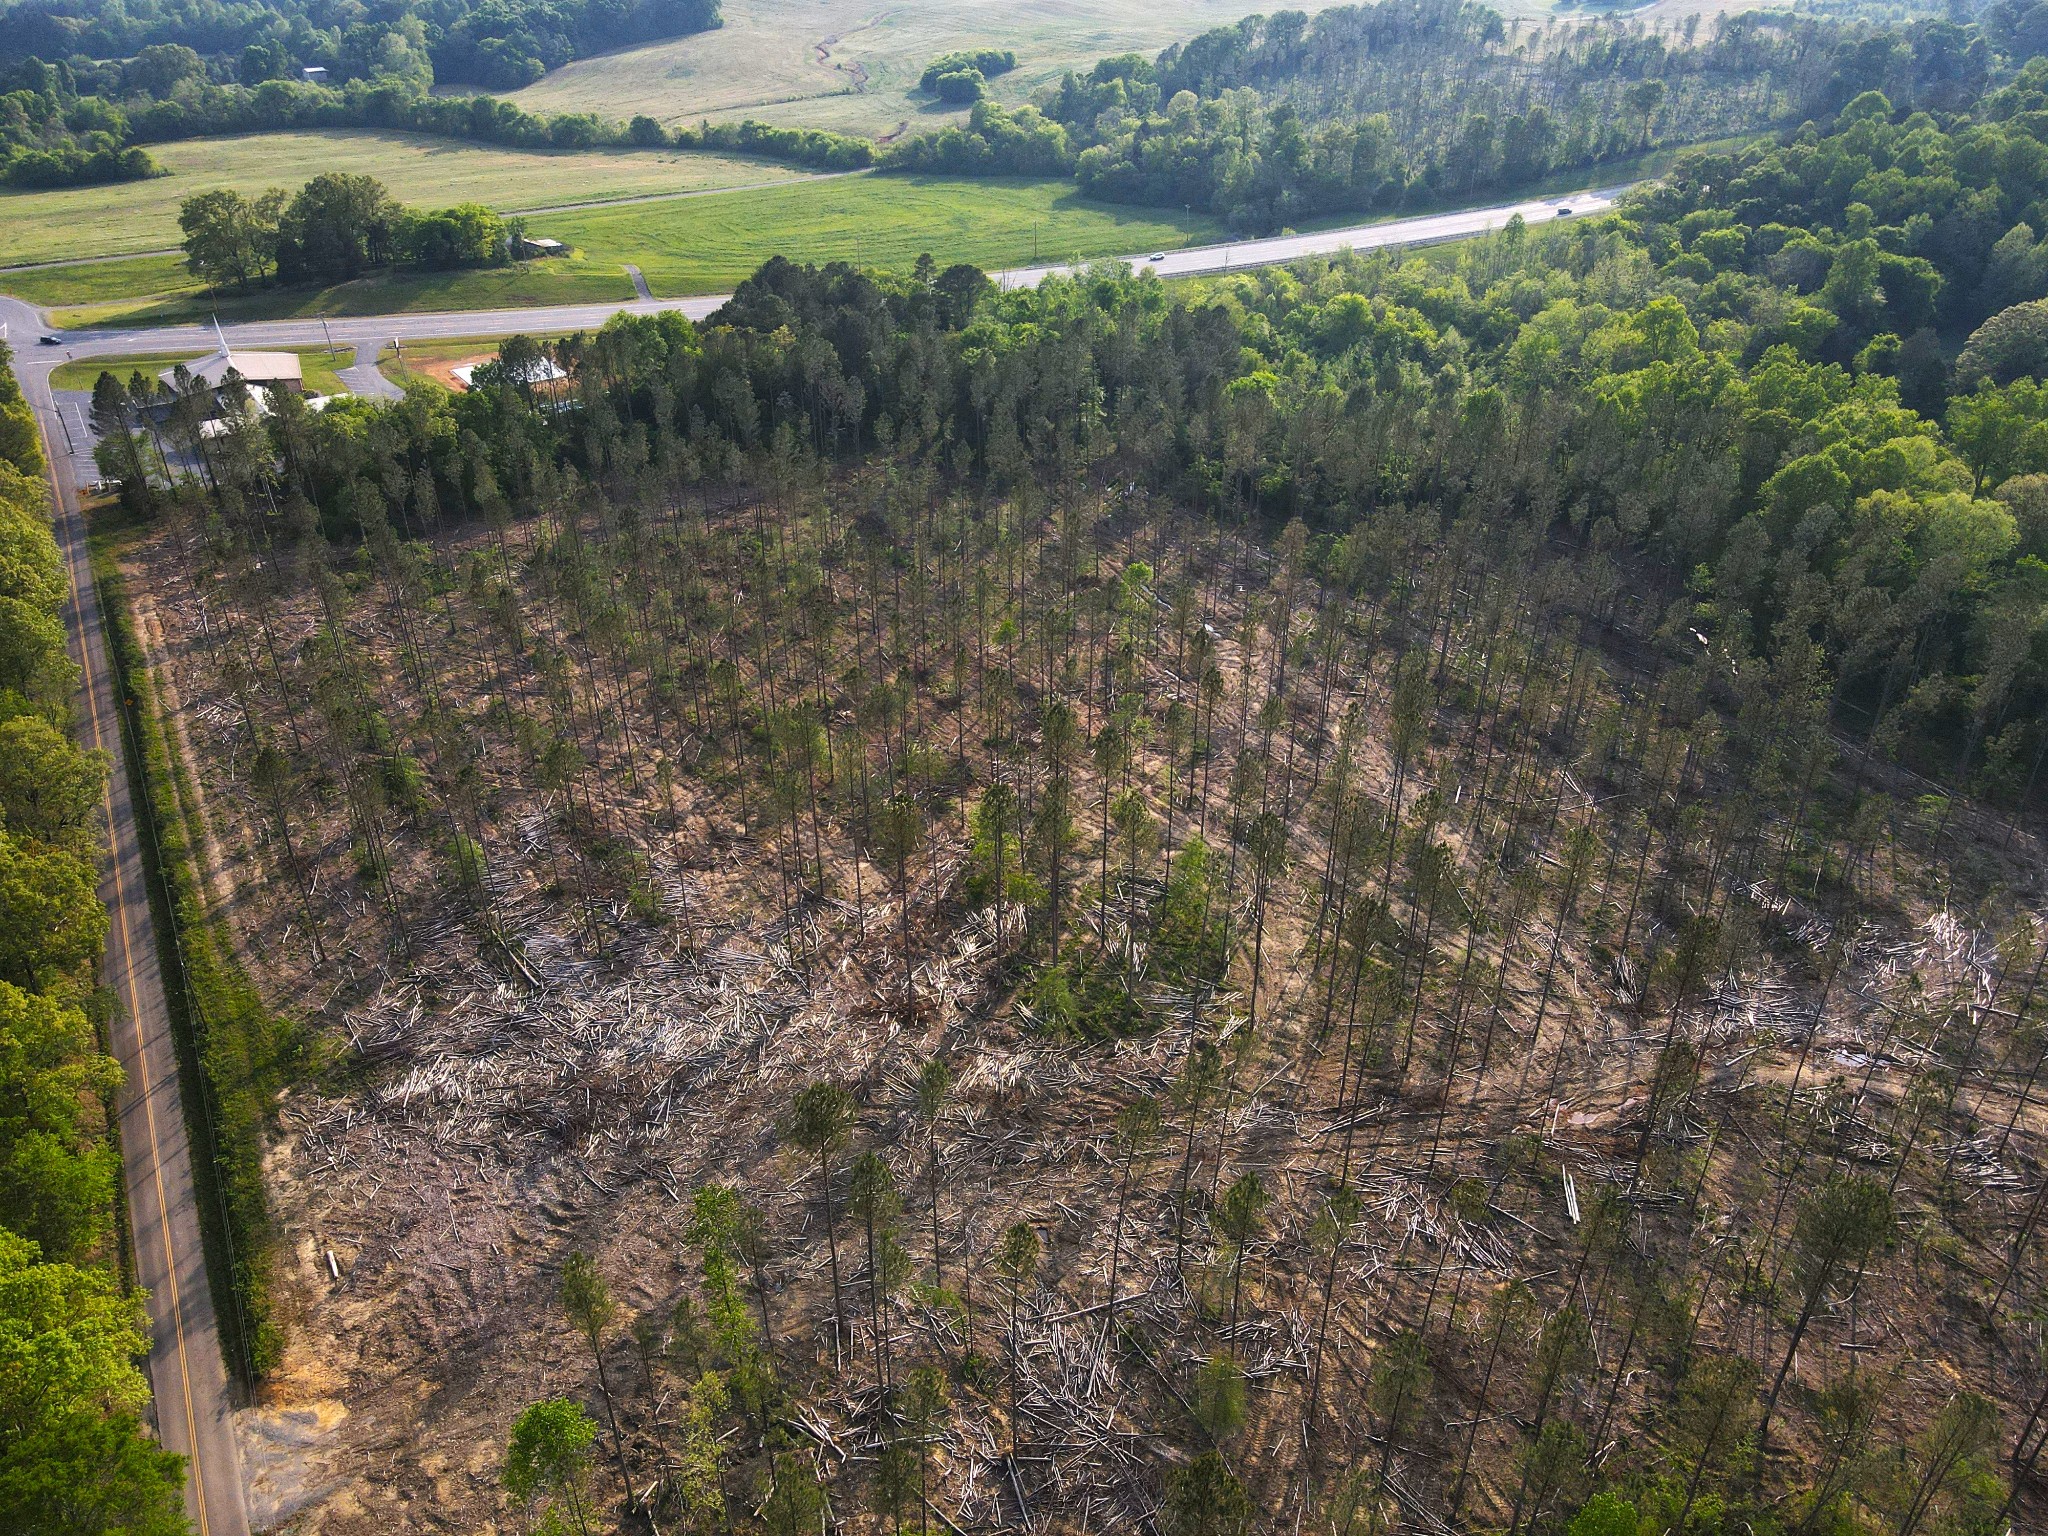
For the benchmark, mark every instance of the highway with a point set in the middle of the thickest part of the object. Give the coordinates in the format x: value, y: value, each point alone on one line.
x: 1425, y: 229
x: 193, y: 1405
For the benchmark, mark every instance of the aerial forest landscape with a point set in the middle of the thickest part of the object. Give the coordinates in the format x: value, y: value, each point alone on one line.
x: 776, y: 768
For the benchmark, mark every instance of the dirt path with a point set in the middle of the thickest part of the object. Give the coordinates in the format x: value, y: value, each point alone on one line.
x: 856, y: 72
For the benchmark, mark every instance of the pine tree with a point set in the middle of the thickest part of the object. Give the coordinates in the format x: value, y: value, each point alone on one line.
x: 1839, y: 1226
x: 588, y: 1301
x: 1017, y: 1263
x: 820, y: 1123
x: 872, y: 1197
x: 932, y: 1084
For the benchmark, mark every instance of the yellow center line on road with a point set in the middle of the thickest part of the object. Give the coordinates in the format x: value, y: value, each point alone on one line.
x: 92, y: 705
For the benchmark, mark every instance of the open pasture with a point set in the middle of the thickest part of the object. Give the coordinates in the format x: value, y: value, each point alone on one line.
x: 684, y: 246
x: 847, y: 66
x: 708, y: 244
x: 140, y: 216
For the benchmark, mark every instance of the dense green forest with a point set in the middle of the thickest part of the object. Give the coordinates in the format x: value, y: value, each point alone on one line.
x: 1393, y: 893
x: 1282, y: 119
x: 51, y: 136
x: 502, y: 44
x: 73, y: 1457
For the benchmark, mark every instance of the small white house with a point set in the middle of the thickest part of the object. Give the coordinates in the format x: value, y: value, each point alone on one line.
x: 540, y: 245
x: 314, y: 74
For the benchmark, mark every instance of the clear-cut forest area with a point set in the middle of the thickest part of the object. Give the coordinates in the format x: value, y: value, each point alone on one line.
x: 1400, y: 894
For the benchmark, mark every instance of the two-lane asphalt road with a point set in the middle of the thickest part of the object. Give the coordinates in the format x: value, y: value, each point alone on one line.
x: 193, y: 1407
x: 1425, y: 229
x: 186, y: 1371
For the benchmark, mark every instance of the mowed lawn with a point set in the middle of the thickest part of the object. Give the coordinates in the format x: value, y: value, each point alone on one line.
x: 684, y: 246
x: 143, y: 215
x: 93, y: 301
x: 101, y: 282
x: 319, y: 369
x: 708, y: 244
x: 850, y: 66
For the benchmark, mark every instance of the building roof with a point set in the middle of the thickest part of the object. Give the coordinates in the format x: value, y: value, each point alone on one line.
x: 542, y: 370
x: 256, y: 368
x: 259, y: 406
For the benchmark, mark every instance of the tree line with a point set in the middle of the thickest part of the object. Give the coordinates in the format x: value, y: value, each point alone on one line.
x: 74, y: 1455
x: 1421, y: 692
x: 77, y: 122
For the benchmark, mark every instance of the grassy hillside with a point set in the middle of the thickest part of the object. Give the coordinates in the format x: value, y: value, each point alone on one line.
x: 143, y: 215
x: 836, y: 64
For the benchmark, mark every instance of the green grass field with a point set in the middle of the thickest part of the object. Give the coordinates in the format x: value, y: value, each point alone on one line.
x: 143, y: 215
x: 685, y: 246
x: 709, y: 244
x: 702, y: 245
x: 101, y: 282
x: 93, y: 300
x: 846, y: 65
x: 320, y: 375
